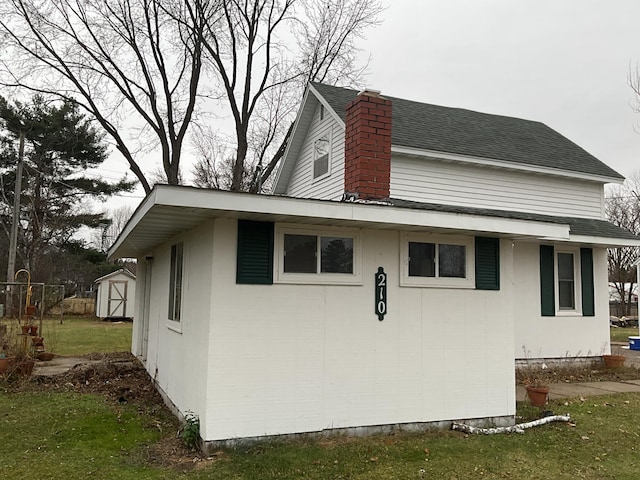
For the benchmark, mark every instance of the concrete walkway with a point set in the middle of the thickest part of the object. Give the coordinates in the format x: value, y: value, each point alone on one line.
x: 590, y: 389
x: 60, y: 365
x: 586, y: 389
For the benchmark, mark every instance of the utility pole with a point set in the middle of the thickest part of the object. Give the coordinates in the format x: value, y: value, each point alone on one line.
x: 13, y: 243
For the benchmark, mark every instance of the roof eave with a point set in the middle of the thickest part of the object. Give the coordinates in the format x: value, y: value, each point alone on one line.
x: 141, y: 235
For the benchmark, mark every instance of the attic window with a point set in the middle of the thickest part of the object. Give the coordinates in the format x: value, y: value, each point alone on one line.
x: 321, y: 148
x: 321, y: 112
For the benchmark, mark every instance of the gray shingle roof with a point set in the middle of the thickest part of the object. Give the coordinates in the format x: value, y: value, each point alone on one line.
x: 465, y: 132
x: 578, y: 226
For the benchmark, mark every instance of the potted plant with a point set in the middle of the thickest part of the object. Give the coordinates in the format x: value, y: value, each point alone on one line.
x: 537, y: 391
x: 535, y: 377
x: 6, y: 362
x: 613, y: 361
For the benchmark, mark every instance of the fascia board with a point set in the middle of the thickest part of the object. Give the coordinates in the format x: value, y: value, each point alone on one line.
x: 604, y: 241
x: 327, y: 107
x: 503, y: 164
x: 277, y: 188
x: 356, y: 212
x: 147, y: 203
x: 280, y: 188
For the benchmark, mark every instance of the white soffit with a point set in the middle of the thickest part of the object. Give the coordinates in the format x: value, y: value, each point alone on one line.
x: 170, y: 210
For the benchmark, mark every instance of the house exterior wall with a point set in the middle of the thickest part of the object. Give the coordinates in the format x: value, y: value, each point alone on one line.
x: 330, y: 187
x: 102, y: 298
x: 298, y: 358
x: 437, y: 181
x: 177, y: 353
x: 560, y: 337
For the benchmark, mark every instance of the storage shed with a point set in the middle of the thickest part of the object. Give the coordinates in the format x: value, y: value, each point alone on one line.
x: 116, y: 295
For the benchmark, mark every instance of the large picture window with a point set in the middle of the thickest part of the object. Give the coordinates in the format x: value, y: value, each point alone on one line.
x: 438, y: 261
x: 313, y: 255
x: 175, y: 282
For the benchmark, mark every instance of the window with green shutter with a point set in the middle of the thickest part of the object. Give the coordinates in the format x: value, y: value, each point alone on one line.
x: 566, y: 281
x: 586, y: 272
x: 254, y: 263
x: 487, y: 263
x: 547, y: 281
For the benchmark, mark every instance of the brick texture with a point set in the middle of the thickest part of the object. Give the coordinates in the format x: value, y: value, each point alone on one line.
x: 367, y: 148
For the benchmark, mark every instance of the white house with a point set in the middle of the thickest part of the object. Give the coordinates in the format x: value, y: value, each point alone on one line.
x: 116, y: 294
x: 409, y: 254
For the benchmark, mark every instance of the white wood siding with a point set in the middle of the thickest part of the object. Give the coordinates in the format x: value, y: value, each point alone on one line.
x: 301, y: 358
x: 177, y: 359
x: 560, y: 336
x: 449, y: 183
x: 327, y: 188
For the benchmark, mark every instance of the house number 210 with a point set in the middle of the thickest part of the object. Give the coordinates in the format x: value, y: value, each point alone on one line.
x: 381, y: 293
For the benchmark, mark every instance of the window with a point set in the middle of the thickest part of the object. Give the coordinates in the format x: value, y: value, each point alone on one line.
x: 567, y: 273
x: 566, y: 281
x: 321, y: 149
x: 313, y: 255
x: 437, y: 261
x: 175, y: 282
x: 321, y: 112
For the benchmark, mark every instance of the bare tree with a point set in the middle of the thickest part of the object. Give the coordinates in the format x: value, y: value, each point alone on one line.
x: 135, y: 65
x: 264, y: 52
x: 623, y: 209
x: 115, y: 221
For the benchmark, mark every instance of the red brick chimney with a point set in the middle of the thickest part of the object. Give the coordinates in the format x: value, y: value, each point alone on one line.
x: 367, y: 146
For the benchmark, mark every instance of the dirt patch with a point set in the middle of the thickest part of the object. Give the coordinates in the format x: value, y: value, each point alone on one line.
x: 122, y: 379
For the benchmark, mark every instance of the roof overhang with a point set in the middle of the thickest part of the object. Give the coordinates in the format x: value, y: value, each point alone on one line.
x: 170, y: 210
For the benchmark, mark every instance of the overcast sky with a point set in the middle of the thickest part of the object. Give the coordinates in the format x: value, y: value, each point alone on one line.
x: 564, y: 63
x: 561, y: 62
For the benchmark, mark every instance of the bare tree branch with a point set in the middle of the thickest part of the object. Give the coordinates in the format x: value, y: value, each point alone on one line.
x: 130, y: 63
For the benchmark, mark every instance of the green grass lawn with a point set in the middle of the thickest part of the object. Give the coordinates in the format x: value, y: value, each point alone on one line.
x: 62, y: 436
x: 57, y: 435
x: 80, y: 336
x: 623, y: 334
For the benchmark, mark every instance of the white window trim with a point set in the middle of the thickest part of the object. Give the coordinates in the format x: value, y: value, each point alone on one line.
x: 437, y: 282
x: 577, y: 283
x: 176, y: 325
x: 328, y: 133
x: 280, y: 276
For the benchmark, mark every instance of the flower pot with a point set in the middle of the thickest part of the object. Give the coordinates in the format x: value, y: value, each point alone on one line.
x: 5, y: 363
x: 613, y: 361
x: 538, y: 395
x: 33, y: 330
x: 37, y: 341
x: 25, y: 368
x: 25, y: 329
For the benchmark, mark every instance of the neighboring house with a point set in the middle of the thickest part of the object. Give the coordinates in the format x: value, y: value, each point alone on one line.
x: 410, y: 254
x: 116, y: 293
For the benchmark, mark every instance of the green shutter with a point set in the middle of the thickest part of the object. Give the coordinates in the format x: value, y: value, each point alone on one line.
x: 255, y: 253
x: 586, y: 274
x: 547, y: 281
x: 487, y: 263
